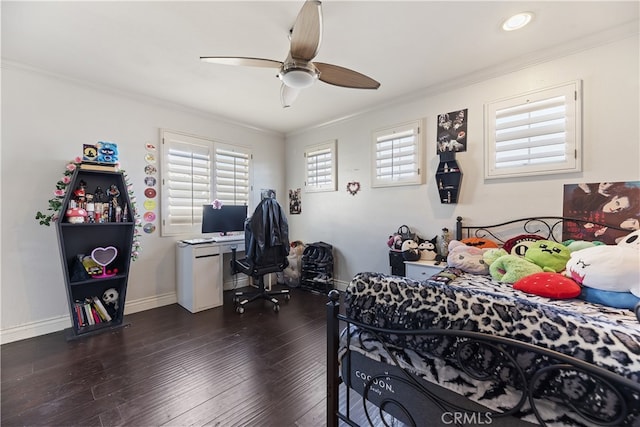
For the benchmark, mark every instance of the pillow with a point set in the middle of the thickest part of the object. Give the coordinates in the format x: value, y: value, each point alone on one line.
x: 479, y: 242
x: 610, y: 298
x: 518, y: 245
x: 548, y: 284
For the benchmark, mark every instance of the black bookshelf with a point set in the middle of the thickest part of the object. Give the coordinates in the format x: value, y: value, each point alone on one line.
x: 75, y: 239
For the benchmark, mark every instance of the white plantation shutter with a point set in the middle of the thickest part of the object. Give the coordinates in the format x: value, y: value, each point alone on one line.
x: 321, y: 167
x: 535, y: 133
x: 232, y: 175
x: 397, y: 155
x: 195, y: 171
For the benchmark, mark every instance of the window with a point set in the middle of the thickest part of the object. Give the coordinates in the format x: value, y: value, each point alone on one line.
x: 321, y: 167
x: 534, y: 134
x: 232, y: 174
x: 397, y: 155
x: 196, y: 171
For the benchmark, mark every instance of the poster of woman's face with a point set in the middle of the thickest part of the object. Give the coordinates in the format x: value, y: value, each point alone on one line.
x: 614, y: 204
x: 452, y: 131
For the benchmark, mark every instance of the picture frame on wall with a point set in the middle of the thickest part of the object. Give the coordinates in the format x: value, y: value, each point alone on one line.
x: 452, y: 131
x: 613, y: 203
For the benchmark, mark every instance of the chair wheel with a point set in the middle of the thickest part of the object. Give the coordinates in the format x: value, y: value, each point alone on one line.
x: 236, y: 300
x: 276, y: 308
x: 240, y: 309
x: 287, y: 297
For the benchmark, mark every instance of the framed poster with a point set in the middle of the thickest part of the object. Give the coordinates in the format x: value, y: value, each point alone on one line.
x: 452, y: 131
x: 612, y: 203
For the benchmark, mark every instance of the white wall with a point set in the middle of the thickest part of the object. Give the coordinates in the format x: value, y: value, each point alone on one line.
x: 45, y: 121
x: 358, y: 226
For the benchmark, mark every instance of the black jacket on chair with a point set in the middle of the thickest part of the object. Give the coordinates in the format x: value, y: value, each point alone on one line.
x: 267, y: 228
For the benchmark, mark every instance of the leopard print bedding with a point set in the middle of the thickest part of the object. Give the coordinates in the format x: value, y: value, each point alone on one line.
x: 599, y: 335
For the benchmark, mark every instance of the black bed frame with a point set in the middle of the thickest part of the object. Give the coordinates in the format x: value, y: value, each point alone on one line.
x: 373, y: 408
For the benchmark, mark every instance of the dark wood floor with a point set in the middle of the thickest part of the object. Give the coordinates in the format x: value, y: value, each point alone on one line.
x: 171, y: 367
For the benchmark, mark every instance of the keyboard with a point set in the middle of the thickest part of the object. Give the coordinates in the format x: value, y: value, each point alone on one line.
x: 216, y: 239
x: 229, y: 238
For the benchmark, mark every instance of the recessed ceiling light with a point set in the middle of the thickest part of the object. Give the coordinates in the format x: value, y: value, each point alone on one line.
x: 517, y: 21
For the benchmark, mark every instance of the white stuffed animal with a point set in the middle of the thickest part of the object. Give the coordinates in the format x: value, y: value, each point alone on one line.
x: 614, y: 268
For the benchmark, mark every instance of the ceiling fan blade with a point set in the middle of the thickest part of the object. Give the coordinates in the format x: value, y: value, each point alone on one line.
x: 288, y: 95
x: 307, y: 31
x: 340, y: 76
x: 243, y: 61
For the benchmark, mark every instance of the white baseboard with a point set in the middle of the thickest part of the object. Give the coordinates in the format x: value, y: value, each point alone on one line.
x: 55, y: 324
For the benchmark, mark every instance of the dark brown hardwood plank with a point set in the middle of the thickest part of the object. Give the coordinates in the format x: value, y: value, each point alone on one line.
x: 172, y: 367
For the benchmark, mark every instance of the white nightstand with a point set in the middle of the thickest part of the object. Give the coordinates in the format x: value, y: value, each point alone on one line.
x: 422, y: 270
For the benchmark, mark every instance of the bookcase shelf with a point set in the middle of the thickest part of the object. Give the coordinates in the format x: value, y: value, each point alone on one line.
x: 448, y: 178
x: 78, y: 239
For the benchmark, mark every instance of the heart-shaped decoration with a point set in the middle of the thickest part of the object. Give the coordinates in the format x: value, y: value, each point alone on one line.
x: 104, y: 256
x: 353, y: 188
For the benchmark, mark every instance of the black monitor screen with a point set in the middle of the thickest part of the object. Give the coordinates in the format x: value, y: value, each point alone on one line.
x: 226, y: 219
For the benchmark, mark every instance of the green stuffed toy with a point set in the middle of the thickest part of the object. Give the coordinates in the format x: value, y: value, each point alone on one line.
x: 576, y: 245
x: 492, y: 254
x: 549, y: 255
x: 511, y: 268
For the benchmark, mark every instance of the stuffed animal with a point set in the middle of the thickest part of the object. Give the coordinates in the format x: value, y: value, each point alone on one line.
x: 428, y: 250
x: 518, y: 245
x: 467, y: 258
x: 511, y: 268
x: 395, y: 242
x: 410, y: 250
x: 492, y: 254
x: 576, y: 245
x: 549, y: 255
x: 107, y: 152
x: 614, y: 268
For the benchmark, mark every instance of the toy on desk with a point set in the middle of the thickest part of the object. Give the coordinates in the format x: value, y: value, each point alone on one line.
x: 104, y: 257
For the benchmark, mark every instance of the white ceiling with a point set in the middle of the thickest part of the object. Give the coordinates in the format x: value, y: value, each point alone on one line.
x: 153, y: 48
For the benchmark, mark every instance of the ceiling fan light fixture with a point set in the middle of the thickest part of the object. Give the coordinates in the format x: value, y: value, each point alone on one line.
x: 298, y: 78
x: 517, y: 21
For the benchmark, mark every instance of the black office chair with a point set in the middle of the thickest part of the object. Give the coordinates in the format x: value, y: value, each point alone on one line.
x: 266, y: 235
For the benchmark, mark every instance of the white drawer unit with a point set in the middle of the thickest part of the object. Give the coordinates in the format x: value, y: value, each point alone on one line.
x: 199, y: 276
x: 422, y: 270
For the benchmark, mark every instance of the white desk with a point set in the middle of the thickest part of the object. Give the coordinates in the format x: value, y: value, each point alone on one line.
x: 422, y: 270
x: 201, y: 272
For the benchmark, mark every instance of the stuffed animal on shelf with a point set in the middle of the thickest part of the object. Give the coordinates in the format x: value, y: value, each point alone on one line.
x: 410, y: 251
x: 428, y: 251
x: 549, y: 255
x: 107, y: 152
x: 609, y: 274
x: 110, y: 299
x: 467, y: 258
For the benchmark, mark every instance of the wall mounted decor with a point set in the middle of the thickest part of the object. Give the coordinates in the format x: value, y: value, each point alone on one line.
x: 452, y: 131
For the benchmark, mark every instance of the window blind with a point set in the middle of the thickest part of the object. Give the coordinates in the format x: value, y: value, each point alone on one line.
x: 187, y: 182
x: 232, y: 175
x: 321, y: 167
x: 397, y: 155
x: 535, y: 133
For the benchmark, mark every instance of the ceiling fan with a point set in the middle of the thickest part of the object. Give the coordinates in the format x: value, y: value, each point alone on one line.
x: 297, y: 71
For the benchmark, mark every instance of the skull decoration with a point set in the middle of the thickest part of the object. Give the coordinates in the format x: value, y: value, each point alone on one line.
x: 110, y: 296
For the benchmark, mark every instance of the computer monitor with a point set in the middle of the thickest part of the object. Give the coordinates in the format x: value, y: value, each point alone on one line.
x: 226, y: 219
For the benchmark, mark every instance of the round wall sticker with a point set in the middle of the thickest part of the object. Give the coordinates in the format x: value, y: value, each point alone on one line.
x: 149, y: 205
x: 149, y: 216
x: 150, y: 158
x: 150, y: 147
x: 150, y: 192
x: 150, y: 181
x: 149, y: 228
x: 150, y: 170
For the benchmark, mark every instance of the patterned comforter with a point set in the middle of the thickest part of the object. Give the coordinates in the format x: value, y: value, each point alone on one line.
x: 602, y: 336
